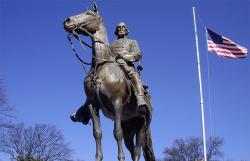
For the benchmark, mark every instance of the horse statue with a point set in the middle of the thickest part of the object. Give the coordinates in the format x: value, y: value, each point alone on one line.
x: 108, y: 88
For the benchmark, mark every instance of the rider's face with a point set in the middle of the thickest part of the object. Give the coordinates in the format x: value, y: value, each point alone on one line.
x: 121, y: 31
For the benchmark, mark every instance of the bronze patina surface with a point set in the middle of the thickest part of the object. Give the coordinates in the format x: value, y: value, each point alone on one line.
x: 114, y: 86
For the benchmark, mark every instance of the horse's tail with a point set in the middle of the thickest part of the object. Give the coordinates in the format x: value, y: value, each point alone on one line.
x: 148, y: 152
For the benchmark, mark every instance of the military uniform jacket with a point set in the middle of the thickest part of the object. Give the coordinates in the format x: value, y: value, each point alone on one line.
x: 131, y: 47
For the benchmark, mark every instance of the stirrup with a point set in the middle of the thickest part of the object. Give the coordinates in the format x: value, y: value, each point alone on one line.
x: 142, y: 109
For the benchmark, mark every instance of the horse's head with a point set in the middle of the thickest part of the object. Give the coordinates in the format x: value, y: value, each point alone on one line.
x: 84, y: 23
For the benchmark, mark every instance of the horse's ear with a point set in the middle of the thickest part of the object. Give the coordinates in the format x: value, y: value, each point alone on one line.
x: 95, y: 7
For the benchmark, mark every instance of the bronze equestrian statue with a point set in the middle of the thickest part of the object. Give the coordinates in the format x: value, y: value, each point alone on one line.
x: 126, y: 52
x: 120, y: 96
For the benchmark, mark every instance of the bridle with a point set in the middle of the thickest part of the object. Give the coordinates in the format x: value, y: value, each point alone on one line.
x: 82, y: 43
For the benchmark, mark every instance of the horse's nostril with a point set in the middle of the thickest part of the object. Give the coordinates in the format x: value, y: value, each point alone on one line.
x: 67, y: 19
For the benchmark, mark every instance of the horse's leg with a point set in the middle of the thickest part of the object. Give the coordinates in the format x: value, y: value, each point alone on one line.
x: 117, y: 104
x: 128, y: 135
x: 148, y: 151
x: 140, y: 138
x: 97, y: 132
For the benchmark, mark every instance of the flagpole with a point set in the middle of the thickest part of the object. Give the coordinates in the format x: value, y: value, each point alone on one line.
x: 201, y: 93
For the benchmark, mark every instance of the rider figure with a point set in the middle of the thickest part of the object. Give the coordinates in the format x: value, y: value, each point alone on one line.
x: 127, y: 51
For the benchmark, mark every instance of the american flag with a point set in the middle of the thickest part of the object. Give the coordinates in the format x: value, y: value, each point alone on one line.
x: 223, y: 46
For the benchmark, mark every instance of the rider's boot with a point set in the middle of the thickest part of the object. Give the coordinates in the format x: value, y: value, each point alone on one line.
x: 81, y: 115
x: 73, y: 117
x: 140, y: 97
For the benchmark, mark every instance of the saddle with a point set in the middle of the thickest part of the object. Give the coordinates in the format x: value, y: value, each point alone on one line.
x: 83, y: 115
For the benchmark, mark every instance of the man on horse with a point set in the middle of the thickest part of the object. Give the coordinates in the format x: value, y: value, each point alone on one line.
x: 127, y: 51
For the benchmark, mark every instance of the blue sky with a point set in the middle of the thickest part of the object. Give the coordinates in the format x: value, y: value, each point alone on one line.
x: 43, y: 80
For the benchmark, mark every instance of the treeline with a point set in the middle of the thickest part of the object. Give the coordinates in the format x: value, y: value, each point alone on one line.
x: 41, y: 142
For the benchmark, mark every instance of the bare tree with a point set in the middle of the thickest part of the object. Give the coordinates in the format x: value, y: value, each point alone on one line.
x: 191, y: 149
x: 5, y: 110
x: 5, y: 115
x: 214, y: 145
x: 39, y: 143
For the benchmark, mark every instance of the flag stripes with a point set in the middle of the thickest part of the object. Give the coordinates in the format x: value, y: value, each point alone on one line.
x: 223, y: 46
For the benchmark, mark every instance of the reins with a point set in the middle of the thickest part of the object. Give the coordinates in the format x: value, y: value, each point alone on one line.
x: 75, y: 51
x: 77, y: 56
x: 82, y: 43
x: 76, y: 35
